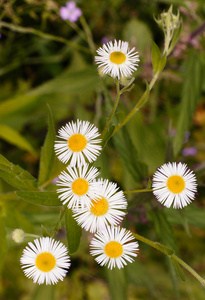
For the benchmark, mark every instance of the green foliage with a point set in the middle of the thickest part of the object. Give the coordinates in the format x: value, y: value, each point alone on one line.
x: 47, y: 152
x: 12, y: 136
x: 3, y: 241
x: 44, y: 292
x: 117, y: 283
x: 190, y: 97
x: 73, y: 231
x: 15, y: 175
x: 46, y: 60
x: 40, y: 198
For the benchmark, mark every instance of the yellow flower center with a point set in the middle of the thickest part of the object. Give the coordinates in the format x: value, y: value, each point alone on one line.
x: 117, y: 57
x: 77, y: 142
x: 80, y: 186
x: 99, y: 207
x: 45, y: 262
x: 113, y: 249
x: 176, y: 184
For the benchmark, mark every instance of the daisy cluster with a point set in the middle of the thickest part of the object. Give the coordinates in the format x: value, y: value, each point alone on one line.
x: 98, y: 205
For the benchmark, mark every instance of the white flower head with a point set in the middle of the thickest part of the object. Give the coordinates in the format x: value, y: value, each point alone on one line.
x: 45, y: 261
x: 116, y: 59
x: 18, y: 235
x: 174, y: 184
x: 79, y: 142
x: 113, y: 247
x: 78, y: 186
x: 106, y: 209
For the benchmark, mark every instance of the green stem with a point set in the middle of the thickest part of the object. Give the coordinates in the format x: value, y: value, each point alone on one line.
x: 88, y: 34
x: 139, y: 104
x: 77, y: 30
x: 62, y: 213
x: 31, y: 235
x: 43, y: 35
x: 138, y: 191
x: 113, y: 111
x: 162, y: 249
x: 189, y: 269
x: 132, y: 113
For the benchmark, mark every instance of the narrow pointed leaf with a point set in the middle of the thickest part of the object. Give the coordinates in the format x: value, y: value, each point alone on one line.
x: 73, y: 231
x: 13, y: 137
x: 175, y: 38
x: 156, y: 55
x: 15, y: 175
x: 47, y: 152
x: 3, y: 242
x: 40, y: 198
x: 179, y: 270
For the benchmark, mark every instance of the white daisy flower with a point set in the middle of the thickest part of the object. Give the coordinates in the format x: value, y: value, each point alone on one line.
x: 174, y: 184
x: 45, y: 261
x: 113, y: 247
x: 116, y: 59
x: 78, y: 186
x: 106, y: 209
x: 79, y: 142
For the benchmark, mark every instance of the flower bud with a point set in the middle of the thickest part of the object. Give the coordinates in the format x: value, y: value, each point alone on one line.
x: 18, y: 236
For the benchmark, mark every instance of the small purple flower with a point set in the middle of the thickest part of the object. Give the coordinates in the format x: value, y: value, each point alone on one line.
x: 104, y: 40
x: 70, y: 12
x: 189, y: 151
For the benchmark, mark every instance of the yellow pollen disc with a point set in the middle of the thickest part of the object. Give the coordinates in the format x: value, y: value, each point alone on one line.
x: 117, y: 57
x: 77, y: 142
x: 176, y: 184
x: 45, y: 262
x: 113, y: 249
x: 99, y: 207
x: 80, y: 186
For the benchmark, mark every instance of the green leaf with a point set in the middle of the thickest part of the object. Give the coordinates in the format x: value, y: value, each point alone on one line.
x: 143, y: 99
x: 156, y: 56
x: 193, y: 215
x: 69, y: 82
x: 108, y: 135
x: 16, y: 104
x: 73, y: 231
x: 40, y: 198
x: 13, y: 137
x: 162, y: 63
x: 163, y: 228
x: 179, y: 270
x: 44, y: 231
x: 175, y: 38
x: 191, y: 91
x: 129, y: 155
x: 16, y: 176
x: 4, y: 161
x: 117, y: 283
x: 165, y: 249
x: 16, y: 179
x: 3, y: 242
x: 44, y: 291
x: 47, y: 152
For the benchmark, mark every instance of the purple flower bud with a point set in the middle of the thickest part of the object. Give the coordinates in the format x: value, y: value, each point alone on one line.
x: 187, y: 135
x: 70, y: 12
x: 189, y: 151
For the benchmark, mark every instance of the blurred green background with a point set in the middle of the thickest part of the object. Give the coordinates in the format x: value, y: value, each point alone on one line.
x: 37, y: 71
